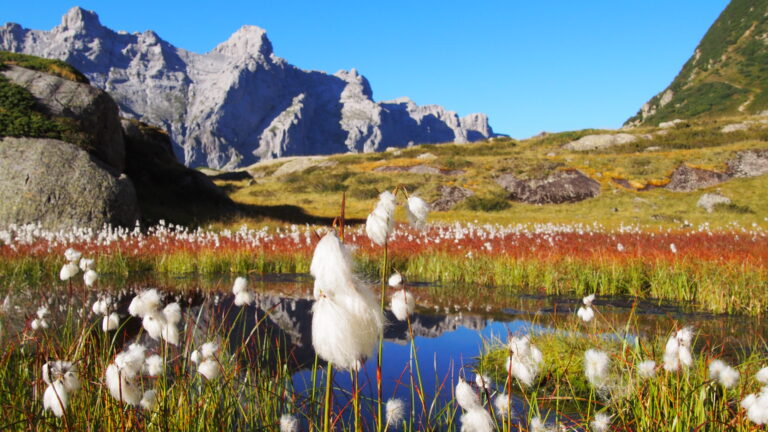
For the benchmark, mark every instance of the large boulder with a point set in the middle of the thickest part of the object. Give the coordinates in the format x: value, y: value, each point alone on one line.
x: 749, y: 163
x: 561, y: 187
x: 92, y: 111
x: 302, y: 163
x: 686, y: 178
x: 166, y: 189
x: 600, y: 142
x: 450, y: 197
x: 709, y: 201
x: 61, y: 186
x: 418, y: 169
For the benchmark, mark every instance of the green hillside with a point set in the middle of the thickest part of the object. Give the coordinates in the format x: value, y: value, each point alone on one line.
x: 727, y: 74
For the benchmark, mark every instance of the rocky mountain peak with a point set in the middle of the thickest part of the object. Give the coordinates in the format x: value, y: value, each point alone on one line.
x: 80, y: 20
x: 356, y: 81
x: 247, y: 41
x: 239, y: 103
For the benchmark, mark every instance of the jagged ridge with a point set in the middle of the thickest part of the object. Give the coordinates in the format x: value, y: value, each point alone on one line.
x: 238, y: 103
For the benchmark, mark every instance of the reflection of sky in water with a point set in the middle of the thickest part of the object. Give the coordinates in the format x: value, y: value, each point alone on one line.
x: 441, y: 359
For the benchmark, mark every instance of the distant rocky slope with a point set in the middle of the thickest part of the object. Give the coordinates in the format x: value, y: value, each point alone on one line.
x: 727, y: 74
x: 238, y: 103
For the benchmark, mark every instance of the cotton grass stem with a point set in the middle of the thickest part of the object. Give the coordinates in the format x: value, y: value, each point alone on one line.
x: 356, y: 398
x: 420, y: 389
x: 328, y: 398
x: 379, y: 356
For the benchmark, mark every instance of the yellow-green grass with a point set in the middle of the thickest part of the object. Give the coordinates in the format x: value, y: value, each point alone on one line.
x: 701, y: 144
x: 682, y: 400
x: 706, y: 286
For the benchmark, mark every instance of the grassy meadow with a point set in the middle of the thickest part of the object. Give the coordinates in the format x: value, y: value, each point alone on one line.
x: 317, y: 190
x: 652, y: 245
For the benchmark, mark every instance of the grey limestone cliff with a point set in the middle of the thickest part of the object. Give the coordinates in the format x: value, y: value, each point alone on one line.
x: 238, y: 103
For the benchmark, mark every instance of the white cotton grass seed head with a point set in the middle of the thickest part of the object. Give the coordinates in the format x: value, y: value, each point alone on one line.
x: 757, y: 406
x: 395, y: 280
x: 601, y: 423
x: 402, y: 304
x: 715, y: 367
x: 748, y: 401
x: 502, y: 405
x: 377, y: 228
x: 762, y: 375
x: 537, y: 425
x: 38, y: 324
x: 347, y: 320
x: 64, y: 372
x: 195, y: 357
x: 524, y: 360
x: 417, y: 211
x: 685, y: 336
x: 101, y: 305
x: 588, y: 300
x: 110, y: 322
x: 144, y: 303
x: 585, y: 313
x: 333, y: 337
x: 130, y: 361
x: 395, y: 412
x: 477, y: 420
x: 347, y: 327
x: 68, y: 270
x: 153, y: 365
x: 240, y: 285
x: 172, y: 313
x: 90, y: 277
x: 381, y: 221
x: 153, y: 324
x: 483, y: 382
x: 289, y: 423
x: 208, y: 350
x: 121, y: 386
x: 86, y: 264
x: 596, y: 367
x: 171, y: 334
x: 210, y: 369
x: 331, y: 266
x: 466, y: 396
x: 244, y: 298
x: 148, y: 400
x: 677, y: 352
x: 646, y: 369
x: 72, y: 255
x: 728, y: 377
x: 723, y: 373
x: 55, y: 398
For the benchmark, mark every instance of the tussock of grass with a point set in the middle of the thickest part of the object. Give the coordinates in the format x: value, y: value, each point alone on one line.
x: 51, y: 66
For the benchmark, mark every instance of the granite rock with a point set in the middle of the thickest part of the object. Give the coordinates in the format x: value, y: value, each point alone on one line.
x: 60, y: 186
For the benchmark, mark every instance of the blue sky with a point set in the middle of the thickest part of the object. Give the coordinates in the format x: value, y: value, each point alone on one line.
x: 531, y: 66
